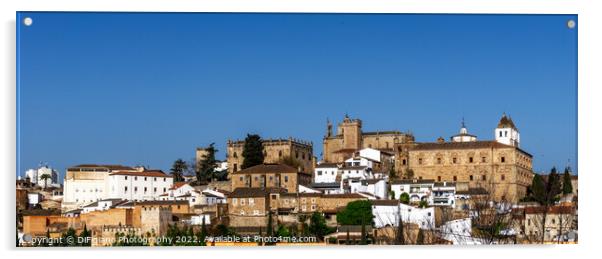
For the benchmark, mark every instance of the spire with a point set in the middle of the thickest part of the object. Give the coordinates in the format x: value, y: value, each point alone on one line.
x: 463, y: 129
x: 328, y: 128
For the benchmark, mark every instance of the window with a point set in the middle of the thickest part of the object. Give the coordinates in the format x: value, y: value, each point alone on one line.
x: 313, y: 200
x: 126, y: 189
x: 438, y: 160
x: 135, y: 189
x: 126, y: 177
x: 471, y: 178
x: 313, y: 207
x: 503, y: 177
x: 255, y: 212
x: 303, y: 208
x: 234, y: 201
x: 241, y: 178
x: 505, y: 133
x: 503, y: 159
x: 483, y: 159
x: 135, y: 178
x: 164, y: 189
x: 145, y: 179
x: 454, y: 160
x: 470, y: 160
x: 484, y: 177
x: 455, y: 178
x: 242, y: 202
x: 251, y: 201
x: 155, y: 179
x: 242, y: 212
x: 419, y: 161
x: 279, y: 153
x: 235, y: 168
x: 164, y: 179
x: 319, y: 172
x: 302, y: 155
x: 286, y: 179
x: 438, y: 178
x: 403, y: 162
x: 235, y: 155
x: 144, y: 189
x: 155, y: 189
x: 296, y: 154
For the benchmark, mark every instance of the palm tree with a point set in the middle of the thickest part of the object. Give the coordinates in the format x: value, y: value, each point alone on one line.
x: 45, y: 178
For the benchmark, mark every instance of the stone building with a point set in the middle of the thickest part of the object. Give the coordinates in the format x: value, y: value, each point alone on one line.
x: 350, y: 138
x: 270, y: 175
x: 500, y: 166
x: 249, y: 207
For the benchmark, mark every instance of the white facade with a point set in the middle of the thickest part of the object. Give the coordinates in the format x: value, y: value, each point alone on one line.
x: 389, y: 215
x: 444, y: 194
x: 210, y: 197
x: 374, y: 187
x: 459, y: 232
x: 35, y: 176
x: 418, y: 190
x: 138, y: 186
x: 326, y: 173
x: 34, y: 198
x: 507, y: 133
x: 86, y: 184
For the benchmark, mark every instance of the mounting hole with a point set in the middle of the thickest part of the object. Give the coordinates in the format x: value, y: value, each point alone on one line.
x: 571, y: 24
x: 27, y: 21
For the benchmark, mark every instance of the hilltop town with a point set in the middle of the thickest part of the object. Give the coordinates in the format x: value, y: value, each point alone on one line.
x: 379, y: 187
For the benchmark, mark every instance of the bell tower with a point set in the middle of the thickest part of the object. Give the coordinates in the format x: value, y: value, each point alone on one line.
x: 506, y: 132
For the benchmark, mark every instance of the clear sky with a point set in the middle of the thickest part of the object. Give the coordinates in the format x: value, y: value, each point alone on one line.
x: 146, y: 89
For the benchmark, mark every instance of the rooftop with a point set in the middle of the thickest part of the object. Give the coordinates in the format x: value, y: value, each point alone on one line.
x: 489, y: 144
x: 149, y: 173
x: 267, y: 168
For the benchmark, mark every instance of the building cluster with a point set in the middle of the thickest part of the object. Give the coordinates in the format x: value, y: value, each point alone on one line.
x: 445, y: 186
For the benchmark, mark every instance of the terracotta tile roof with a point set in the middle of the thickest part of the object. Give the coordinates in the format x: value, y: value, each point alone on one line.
x: 177, y: 185
x: 92, y: 166
x: 267, y: 168
x: 150, y: 173
x: 464, y: 145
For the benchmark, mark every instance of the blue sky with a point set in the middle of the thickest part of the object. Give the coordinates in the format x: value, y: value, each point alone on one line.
x: 149, y: 88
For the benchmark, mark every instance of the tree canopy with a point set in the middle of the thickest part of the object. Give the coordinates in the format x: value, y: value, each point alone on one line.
x: 567, y: 185
x: 177, y: 170
x: 252, y: 152
x: 356, y: 213
x: 206, y: 166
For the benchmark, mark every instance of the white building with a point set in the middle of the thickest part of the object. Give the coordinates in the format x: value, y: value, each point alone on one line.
x: 443, y: 194
x: 463, y: 136
x: 138, y: 185
x: 388, y: 212
x: 36, y: 176
x: 418, y: 190
x: 34, y: 198
x: 88, y: 183
x: 459, y: 232
x: 101, y: 205
x: 326, y: 173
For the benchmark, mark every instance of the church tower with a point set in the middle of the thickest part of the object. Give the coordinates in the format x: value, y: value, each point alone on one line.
x: 351, y: 129
x: 506, y: 132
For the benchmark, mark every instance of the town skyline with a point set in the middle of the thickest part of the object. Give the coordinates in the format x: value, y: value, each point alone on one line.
x: 152, y: 108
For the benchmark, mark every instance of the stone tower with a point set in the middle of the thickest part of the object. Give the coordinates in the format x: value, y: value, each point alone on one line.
x: 351, y: 130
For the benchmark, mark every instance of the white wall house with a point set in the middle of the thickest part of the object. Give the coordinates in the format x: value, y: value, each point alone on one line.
x: 101, y: 205
x: 326, y: 173
x: 35, y: 176
x: 459, y: 232
x: 138, y: 186
x: 444, y: 194
x: 210, y: 197
x: 419, y: 190
x: 506, y: 132
x: 181, y: 191
x: 88, y: 183
x: 388, y: 213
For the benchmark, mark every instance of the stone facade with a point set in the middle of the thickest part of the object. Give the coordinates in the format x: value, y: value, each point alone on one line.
x: 270, y: 175
x: 505, y: 171
x: 155, y: 219
x: 350, y: 138
x: 275, y: 151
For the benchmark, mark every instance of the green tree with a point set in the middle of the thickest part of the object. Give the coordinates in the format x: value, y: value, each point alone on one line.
x: 317, y: 225
x: 283, y: 231
x: 356, y: 213
x: 177, y: 170
x: 423, y: 204
x: 392, y: 194
x: 45, y: 178
x: 545, y: 193
x: 85, y: 237
x: 203, y: 233
x: 404, y: 198
x: 69, y: 238
x: 206, y: 166
x: 567, y: 185
x: 252, y: 152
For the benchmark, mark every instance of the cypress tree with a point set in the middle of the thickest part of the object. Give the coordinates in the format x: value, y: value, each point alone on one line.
x: 206, y: 167
x: 252, y: 152
x: 567, y: 185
